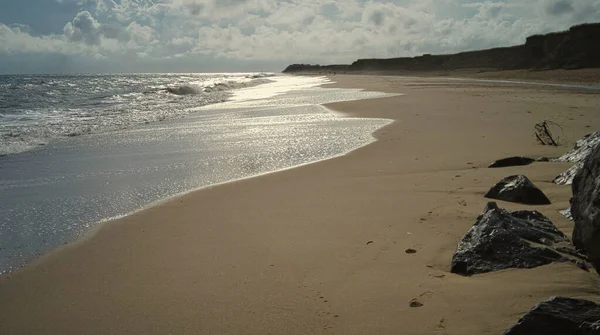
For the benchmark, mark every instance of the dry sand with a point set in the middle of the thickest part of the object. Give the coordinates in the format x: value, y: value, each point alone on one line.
x: 590, y: 76
x: 291, y: 252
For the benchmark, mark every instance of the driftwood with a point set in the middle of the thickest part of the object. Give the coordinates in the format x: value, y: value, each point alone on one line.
x: 544, y: 135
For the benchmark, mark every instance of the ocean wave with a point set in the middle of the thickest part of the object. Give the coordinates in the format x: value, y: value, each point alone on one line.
x: 260, y: 75
x: 184, y: 90
x: 189, y: 89
x: 82, y: 105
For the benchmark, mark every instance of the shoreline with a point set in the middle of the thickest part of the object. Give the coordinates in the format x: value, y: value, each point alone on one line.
x: 297, y: 237
x: 580, y: 77
x: 87, y: 235
x: 155, y: 190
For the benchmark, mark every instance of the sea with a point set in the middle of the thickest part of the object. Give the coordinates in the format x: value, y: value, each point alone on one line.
x: 77, y: 151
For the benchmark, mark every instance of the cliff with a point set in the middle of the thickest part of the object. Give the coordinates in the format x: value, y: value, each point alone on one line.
x: 578, y: 47
x: 315, y: 68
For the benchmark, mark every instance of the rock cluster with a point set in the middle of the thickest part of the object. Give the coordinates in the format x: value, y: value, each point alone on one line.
x: 502, y: 239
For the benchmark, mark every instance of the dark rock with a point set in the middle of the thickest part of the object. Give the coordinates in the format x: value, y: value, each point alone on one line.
x: 570, y: 250
x: 410, y: 251
x: 518, y: 189
x: 580, y: 152
x: 512, y: 161
x: 582, y: 265
x: 500, y: 239
x: 560, y: 316
x: 567, y: 213
x: 566, y: 178
x: 585, y: 207
x: 415, y: 303
x: 582, y: 148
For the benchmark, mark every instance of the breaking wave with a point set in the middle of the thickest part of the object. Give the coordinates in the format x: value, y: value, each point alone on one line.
x: 36, y: 110
x: 188, y: 89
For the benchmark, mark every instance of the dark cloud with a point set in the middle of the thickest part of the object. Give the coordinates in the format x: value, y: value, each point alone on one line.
x: 377, y: 17
x: 195, y: 8
x: 559, y: 7
x: 230, y: 3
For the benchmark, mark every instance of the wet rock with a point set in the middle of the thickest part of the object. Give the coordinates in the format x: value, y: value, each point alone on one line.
x: 520, y: 189
x: 500, y: 239
x: 585, y: 208
x: 560, y: 316
x: 580, y: 152
x: 512, y: 161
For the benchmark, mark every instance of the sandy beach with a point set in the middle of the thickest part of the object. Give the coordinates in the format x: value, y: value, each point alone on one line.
x: 320, y: 249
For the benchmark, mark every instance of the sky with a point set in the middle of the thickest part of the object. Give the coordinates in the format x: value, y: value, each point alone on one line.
x: 90, y: 36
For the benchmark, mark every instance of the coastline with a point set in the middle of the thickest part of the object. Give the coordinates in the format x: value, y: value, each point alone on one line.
x: 288, y: 252
x: 66, y: 189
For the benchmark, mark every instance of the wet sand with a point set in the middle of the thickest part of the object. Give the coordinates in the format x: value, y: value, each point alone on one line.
x: 321, y: 248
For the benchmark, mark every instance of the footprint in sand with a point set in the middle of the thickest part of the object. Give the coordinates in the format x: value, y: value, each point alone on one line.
x: 441, y: 325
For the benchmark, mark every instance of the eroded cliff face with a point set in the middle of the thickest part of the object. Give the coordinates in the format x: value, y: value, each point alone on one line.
x: 579, y: 47
x: 323, y: 69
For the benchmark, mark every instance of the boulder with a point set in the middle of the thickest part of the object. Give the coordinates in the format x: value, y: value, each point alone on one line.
x: 512, y: 161
x: 520, y: 189
x: 582, y: 148
x: 559, y: 316
x: 585, y: 207
x: 577, y: 155
x: 566, y: 178
x: 502, y: 239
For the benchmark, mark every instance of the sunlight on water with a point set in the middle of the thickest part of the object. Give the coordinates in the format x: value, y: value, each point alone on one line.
x: 52, y: 195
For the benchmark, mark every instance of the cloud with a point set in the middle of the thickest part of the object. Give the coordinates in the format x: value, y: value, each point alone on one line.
x: 135, y: 33
x: 83, y: 28
x: 559, y: 7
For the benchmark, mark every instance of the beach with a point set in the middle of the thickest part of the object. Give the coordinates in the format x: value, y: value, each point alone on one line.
x: 320, y: 249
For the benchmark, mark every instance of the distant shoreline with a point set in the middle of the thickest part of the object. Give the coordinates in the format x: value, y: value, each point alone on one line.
x: 576, y: 77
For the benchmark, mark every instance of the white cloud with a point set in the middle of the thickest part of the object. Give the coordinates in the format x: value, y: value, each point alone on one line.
x: 324, y: 31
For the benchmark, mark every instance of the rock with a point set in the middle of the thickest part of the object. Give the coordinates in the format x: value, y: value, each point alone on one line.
x: 580, y: 152
x: 512, y: 161
x: 410, y: 251
x: 500, y: 239
x: 567, y: 213
x: 566, y: 178
x: 520, y: 189
x: 582, y: 148
x: 559, y: 316
x: 415, y: 303
x: 585, y: 207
